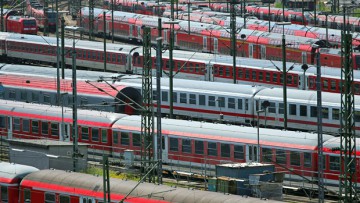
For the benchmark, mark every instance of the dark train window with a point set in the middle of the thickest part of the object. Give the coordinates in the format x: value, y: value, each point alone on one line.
x: 325, y: 84
x: 333, y: 85
x: 95, y: 134
x: 289, y: 79
x: 275, y: 77
x: 183, y: 98
x: 154, y: 95
x: 85, y: 133
x: 192, y: 99
x: 238, y: 152
x: 221, y: 101
x: 124, y: 138
x: 307, y: 160
x: 50, y: 198
x: 47, y: 99
x: 55, y: 129
x: 64, y: 199
x: 240, y: 73
x: 4, y: 194
x: 164, y: 96
x: 240, y: 104
x: 225, y: 150
x: 261, y: 76
x: 34, y: 97
x: 27, y: 196
x: 231, y: 103
x: 272, y: 108
x: 212, y: 149
x: 313, y: 111
x: 357, y: 116
x: 104, y: 138
x: 266, y: 154
x: 211, y: 101
x: 335, y: 114
x: 23, y: 96
x: 295, y: 158
x: 247, y: 74
x: 312, y: 82
x: 202, y: 100
x: 267, y: 77
x: 174, y: 145
x: 44, y: 128
x: 186, y: 146
x: 199, y: 147
x: 12, y: 95
x: 334, y: 163
x: 221, y: 70
x: 253, y: 74
x: 227, y: 72
x: 281, y: 108
x: 16, y: 124
x: 2, y: 121
x: 280, y: 156
x: 292, y: 110
x: 175, y: 97
x: 136, y: 139
x: 116, y: 137
x: 356, y: 88
x: 303, y: 110
x: 35, y: 126
x: 325, y: 113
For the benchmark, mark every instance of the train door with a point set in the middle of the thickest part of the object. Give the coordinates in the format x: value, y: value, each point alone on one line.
x: 263, y: 52
x: 209, y: 75
x: 216, y: 44
x: 131, y: 31
x: 205, y: 44
x: 165, y: 148
x: 251, y: 51
x: 251, y: 153
x: 87, y: 200
x: 166, y: 36
x: 138, y: 33
x: 10, y: 127
x: 175, y: 38
x: 304, y: 58
x: 261, y: 15
x: 65, y: 136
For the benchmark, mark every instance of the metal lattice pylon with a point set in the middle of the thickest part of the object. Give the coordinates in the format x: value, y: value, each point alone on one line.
x: 348, y: 179
x: 91, y: 19
x: 147, y: 115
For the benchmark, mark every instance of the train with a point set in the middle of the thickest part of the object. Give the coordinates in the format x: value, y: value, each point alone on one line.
x: 22, y: 25
x: 193, y: 100
x: 18, y: 48
x: 22, y: 183
x: 184, y: 143
x: 45, y: 18
x: 216, y: 39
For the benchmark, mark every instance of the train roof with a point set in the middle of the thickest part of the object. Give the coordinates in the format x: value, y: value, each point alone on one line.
x: 39, y: 111
x: 11, y: 173
x: 75, y: 183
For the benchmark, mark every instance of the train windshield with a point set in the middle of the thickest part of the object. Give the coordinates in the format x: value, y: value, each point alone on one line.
x: 51, y: 17
x: 29, y: 23
x: 357, y: 62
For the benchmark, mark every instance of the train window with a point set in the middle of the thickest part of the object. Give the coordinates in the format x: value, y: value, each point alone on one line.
x: 313, y: 111
x: 225, y: 150
x: 95, y: 134
x: 253, y: 75
x: 4, y: 194
x: 325, y: 113
x: 16, y: 124
x: 272, y: 108
x: 221, y: 70
x: 238, y: 152
x: 175, y: 97
x: 35, y: 126
x: 240, y: 104
x: 154, y: 95
x: 357, y: 116
x: 78, y: 53
x: 178, y: 66
x: 247, y: 74
x: 64, y: 199
x: 212, y: 149
x: 289, y: 79
x: 85, y: 133
x: 307, y: 160
x: 221, y: 102
x: 104, y: 138
x: 295, y: 158
x: 335, y: 114
x: 292, y: 109
x: 267, y: 76
x: 89, y: 55
x: 34, y: 97
x: 202, y: 100
x: 312, y: 83
x: 281, y: 108
x: 231, y: 103
x: 275, y: 78
x: 23, y: 96
x: 199, y: 147
x: 246, y: 104
x: 136, y: 139
x: 174, y: 145
x: 325, y: 84
x: 27, y: 196
x: 333, y: 85
x: 261, y: 76
x: 116, y: 137
x: 54, y: 129
x: 44, y: 128
x: 192, y: 99
x: 197, y: 68
x: 12, y: 95
x: 240, y: 73
x: 280, y: 156
x: 356, y: 88
x: 47, y: 99
x: 50, y: 198
x: 2, y: 121
x: 113, y: 58
x: 227, y: 71
x: 266, y: 154
x: 183, y: 98
x: 211, y: 101
x: 303, y: 110
x: 164, y: 96
x: 334, y: 163
x: 125, y: 138
x: 186, y: 146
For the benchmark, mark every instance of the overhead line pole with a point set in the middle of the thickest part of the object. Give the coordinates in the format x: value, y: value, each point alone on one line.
x: 233, y: 37
x: 171, y: 64
x: 57, y: 55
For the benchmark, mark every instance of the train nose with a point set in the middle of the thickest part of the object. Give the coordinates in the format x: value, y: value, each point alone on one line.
x: 128, y: 101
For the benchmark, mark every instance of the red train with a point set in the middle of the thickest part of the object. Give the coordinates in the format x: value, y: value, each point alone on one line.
x: 44, y: 19
x: 21, y: 183
x: 186, y: 143
x: 22, y: 25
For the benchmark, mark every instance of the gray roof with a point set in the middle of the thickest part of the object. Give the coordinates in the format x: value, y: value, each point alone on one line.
x: 15, y: 171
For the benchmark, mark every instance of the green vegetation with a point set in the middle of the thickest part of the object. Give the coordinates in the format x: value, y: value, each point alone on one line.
x: 113, y: 174
x: 278, y: 5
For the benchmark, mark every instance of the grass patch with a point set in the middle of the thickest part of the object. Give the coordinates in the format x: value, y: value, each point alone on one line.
x: 112, y: 174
